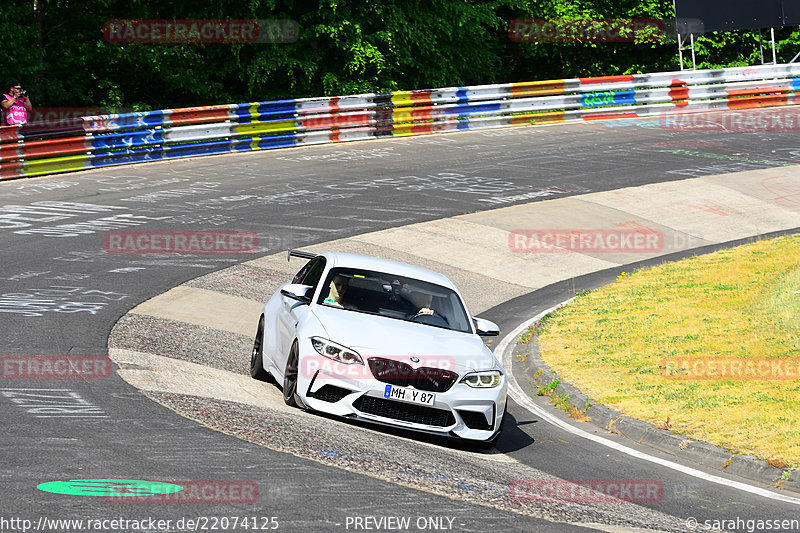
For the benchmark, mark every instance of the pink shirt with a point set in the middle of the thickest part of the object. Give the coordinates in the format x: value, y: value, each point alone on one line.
x: 17, y: 113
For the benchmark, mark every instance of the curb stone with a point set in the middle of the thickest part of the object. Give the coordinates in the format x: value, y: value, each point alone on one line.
x: 752, y: 468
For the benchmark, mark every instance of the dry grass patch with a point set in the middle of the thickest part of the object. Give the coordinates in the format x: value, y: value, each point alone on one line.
x: 736, y: 304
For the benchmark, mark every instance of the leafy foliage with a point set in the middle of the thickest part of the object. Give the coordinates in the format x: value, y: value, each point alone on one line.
x: 344, y: 47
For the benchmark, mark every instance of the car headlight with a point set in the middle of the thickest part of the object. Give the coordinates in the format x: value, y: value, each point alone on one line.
x: 337, y: 352
x: 483, y: 380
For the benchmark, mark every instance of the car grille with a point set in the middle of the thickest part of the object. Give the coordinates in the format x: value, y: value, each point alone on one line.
x: 404, y: 375
x: 406, y: 412
x: 330, y: 393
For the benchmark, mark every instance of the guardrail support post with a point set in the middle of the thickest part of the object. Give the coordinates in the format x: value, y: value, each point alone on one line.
x: 774, y: 55
x: 682, y: 47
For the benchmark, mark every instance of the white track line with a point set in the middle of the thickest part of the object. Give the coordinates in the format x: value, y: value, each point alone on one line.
x: 503, y: 353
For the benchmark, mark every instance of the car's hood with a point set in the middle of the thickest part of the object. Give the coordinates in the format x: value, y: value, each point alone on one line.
x: 372, y: 335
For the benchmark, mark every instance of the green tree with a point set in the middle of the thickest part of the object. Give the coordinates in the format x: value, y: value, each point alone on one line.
x: 344, y: 47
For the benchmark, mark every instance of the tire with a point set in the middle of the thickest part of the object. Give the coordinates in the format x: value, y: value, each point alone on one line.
x: 290, y: 378
x: 257, y: 356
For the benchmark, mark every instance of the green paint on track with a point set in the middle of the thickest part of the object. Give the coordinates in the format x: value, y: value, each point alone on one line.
x: 109, y: 487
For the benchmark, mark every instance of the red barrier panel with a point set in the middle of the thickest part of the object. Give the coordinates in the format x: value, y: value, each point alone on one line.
x: 55, y: 147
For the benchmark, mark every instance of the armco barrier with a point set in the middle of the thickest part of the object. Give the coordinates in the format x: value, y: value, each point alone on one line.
x: 120, y: 139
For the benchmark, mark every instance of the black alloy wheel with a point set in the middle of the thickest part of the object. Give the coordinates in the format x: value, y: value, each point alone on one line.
x: 257, y: 357
x: 290, y: 378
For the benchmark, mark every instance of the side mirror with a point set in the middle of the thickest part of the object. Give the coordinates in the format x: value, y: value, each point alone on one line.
x: 486, y: 328
x: 298, y: 292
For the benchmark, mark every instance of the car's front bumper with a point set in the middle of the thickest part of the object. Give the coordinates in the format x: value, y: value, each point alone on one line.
x: 462, y: 411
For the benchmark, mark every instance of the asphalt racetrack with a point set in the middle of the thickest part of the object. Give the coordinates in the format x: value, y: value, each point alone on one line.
x: 62, y: 294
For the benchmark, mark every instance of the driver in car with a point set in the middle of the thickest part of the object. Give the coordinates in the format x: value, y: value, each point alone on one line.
x: 421, y: 301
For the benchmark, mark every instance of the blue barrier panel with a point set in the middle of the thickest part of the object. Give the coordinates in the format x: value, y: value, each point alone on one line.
x: 260, y: 143
x: 279, y: 107
x: 122, y: 157
x: 125, y: 139
x: 466, y: 109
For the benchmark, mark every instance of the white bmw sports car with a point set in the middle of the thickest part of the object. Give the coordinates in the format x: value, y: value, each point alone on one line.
x: 384, y: 342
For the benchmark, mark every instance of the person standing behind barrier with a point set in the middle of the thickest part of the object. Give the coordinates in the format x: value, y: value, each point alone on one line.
x: 15, y: 106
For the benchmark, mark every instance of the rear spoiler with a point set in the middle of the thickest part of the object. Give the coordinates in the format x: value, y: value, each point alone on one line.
x: 300, y: 253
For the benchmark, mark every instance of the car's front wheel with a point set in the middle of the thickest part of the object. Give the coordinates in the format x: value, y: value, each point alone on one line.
x: 257, y: 356
x: 290, y: 377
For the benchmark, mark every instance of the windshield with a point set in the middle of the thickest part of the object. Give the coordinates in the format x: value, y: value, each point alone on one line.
x: 393, y: 296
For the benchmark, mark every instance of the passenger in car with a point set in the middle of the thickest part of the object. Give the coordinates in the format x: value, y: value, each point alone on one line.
x: 337, y: 290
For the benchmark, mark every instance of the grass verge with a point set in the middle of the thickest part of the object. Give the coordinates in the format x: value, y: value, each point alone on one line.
x: 622, y: 344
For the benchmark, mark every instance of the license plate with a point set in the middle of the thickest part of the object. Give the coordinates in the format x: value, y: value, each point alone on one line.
x: 409, y: 395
